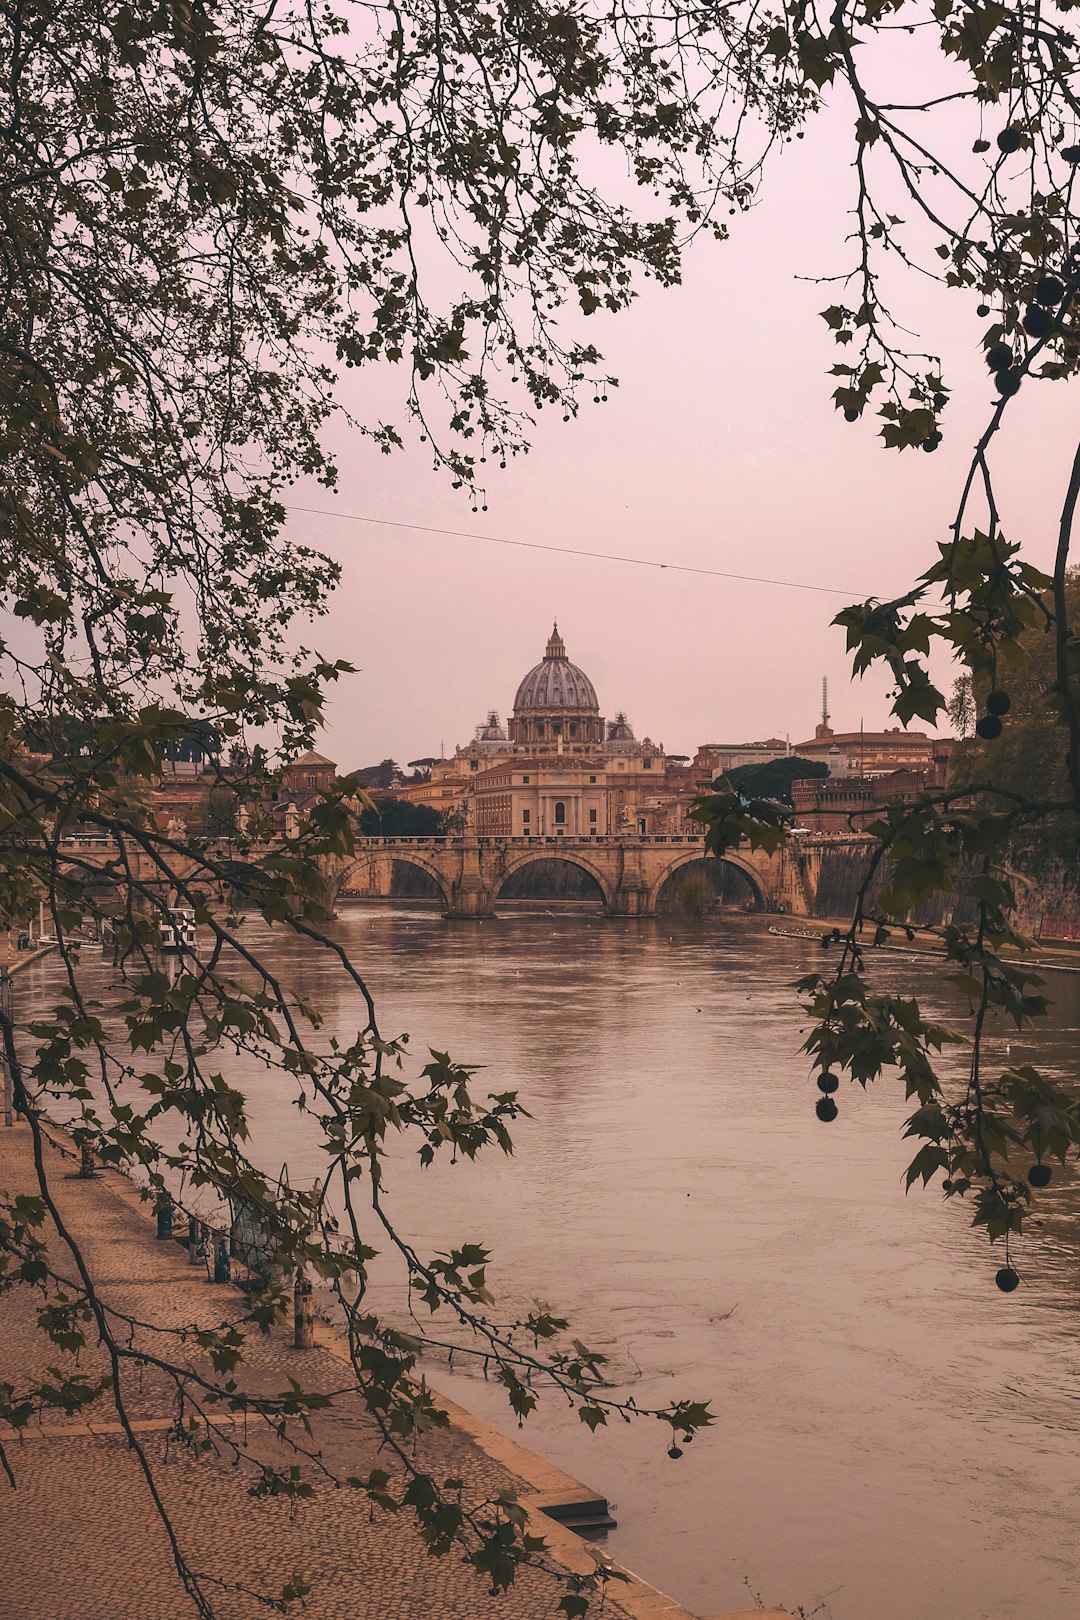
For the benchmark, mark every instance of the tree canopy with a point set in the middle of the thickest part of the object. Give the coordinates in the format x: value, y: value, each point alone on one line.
x: 773, y: 779
x: 397, y: 818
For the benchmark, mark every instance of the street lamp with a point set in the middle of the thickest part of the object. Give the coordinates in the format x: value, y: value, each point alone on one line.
x: 7, y: 1016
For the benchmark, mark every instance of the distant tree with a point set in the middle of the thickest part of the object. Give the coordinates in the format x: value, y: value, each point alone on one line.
x: 397, y: 818
x: 773, y: 779
x: 379, y: 776
x: 1028, y: 758
x: 961, y: 708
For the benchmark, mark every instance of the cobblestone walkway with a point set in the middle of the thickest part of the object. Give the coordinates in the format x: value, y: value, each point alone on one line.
x: 79, y: 1537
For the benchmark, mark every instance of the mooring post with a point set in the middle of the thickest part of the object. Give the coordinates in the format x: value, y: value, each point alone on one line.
x: 164, y: 1216
x: 87, y: 1168
x: 196, y: 1250
x: 303, y: 1312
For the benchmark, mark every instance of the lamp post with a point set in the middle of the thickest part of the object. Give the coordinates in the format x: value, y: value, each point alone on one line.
x: 7, y: 1001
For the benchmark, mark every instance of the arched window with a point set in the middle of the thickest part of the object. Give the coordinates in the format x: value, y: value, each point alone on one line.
x: 560, y: 813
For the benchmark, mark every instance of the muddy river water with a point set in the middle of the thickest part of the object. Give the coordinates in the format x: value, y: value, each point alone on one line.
x: 895, y: 1439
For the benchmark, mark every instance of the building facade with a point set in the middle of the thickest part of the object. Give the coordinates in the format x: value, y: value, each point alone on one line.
x: 558, y: 769
x: 875, y: 753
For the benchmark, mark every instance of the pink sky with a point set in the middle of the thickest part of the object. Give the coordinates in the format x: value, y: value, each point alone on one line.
x: 721, y: 449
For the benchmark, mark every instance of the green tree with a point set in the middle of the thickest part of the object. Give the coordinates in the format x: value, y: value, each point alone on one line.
x: 773, y: 779
x: 397, y: 818
x: 205, y: 214
x: 1027, y: 759
x: 378, y: 776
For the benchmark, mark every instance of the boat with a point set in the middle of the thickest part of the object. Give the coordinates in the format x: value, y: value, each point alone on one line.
x: 178, y: 931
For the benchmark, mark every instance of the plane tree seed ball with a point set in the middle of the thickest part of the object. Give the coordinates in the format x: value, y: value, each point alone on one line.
x: 998, y: 356
x: 826, y: 1110
x: 1037, y: 321
x: 1007, y: 1279
x: 1009, y: 140
x: 988, y: 727
x: 983, y: 310
x: 1039, y: 1175
x: 1049, y: 292
x: 827, y: 1082
x: 1008, y: 382
x: 998, y: 702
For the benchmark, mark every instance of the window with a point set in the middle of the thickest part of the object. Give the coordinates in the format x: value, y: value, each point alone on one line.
x: 560, y: 813
x: 313, y: 780
x: 592, y: 778
x: 524, y: 778
x: 573, y: 728
x: 525, y: 816
x: 473, y: 764
x: 647, y: 764
x: 592, y: 815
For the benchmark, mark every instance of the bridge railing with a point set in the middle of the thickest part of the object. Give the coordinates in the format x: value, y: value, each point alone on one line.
x: 553, y: 840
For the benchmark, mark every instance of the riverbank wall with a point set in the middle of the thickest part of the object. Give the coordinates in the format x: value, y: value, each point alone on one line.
x: 831, y: 870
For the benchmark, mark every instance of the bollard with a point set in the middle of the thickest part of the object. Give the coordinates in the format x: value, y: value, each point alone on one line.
x: 222, y: 1265
x: 164, y: 1217
x: 303, y: 1313
x: 196, y: 1250
x: 86, y: 1160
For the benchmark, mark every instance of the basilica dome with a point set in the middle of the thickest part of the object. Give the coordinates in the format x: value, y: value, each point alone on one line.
x: 556, y: 684
x: 556, y: 708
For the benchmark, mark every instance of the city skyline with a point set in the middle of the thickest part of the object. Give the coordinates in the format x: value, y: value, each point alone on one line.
x: 452, y: 735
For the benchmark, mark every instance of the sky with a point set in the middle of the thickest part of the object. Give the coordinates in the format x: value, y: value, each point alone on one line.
x: 721, y: 449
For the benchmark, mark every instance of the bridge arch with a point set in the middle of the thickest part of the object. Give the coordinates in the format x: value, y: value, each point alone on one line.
x: 688, y: 857
x: 404, y: 857
x: 547, y: 853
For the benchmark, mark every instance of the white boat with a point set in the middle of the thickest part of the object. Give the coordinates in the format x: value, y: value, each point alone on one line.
x: 178, y: 931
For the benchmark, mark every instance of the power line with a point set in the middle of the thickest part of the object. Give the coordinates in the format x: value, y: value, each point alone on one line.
x: 575, y: 551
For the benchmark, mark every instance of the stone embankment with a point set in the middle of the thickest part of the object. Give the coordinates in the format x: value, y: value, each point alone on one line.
x: 79, y: 1536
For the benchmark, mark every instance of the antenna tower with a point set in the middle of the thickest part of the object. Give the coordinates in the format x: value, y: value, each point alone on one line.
x: 825, y: 701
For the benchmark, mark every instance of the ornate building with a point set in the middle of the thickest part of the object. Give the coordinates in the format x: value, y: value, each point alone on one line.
x: 875, y: 753
x: 559, y: 769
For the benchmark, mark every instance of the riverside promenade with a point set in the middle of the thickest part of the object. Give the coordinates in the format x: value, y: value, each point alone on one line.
x: 79, y: 1536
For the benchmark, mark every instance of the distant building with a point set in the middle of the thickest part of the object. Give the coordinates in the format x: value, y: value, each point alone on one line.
x: 716, y: 759
x: 558, y: 768
x: 843, y: 803
x: 193, y: 795
x: 875, y: 753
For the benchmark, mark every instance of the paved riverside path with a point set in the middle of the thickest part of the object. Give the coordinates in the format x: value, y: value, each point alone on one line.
x: 79, y: 1537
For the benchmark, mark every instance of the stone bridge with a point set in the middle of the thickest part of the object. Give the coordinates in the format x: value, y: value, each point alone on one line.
x: 629, y: 871
x: 471, y: 872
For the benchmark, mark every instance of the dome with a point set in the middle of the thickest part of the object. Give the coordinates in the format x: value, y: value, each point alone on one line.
x: 620, y: 729
x: 491, y: 731
x: 556, y: 684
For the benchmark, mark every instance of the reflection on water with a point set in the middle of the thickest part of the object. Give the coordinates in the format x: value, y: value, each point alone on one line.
x: 892, y: 1432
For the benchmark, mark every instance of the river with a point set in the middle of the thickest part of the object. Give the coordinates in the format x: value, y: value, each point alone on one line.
x: 895, y: 1439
